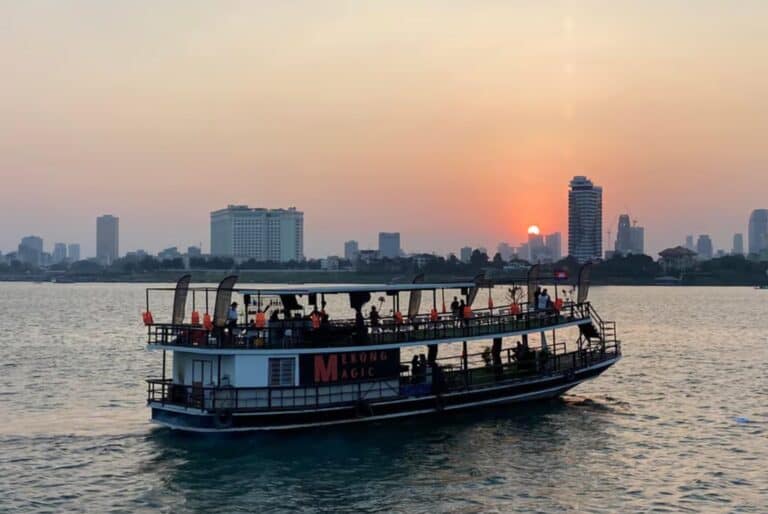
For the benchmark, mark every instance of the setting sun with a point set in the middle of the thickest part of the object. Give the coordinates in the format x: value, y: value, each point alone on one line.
x: 534, y: 230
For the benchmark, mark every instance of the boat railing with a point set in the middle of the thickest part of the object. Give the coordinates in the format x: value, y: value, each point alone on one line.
x: 299, y: 333
x: 441, y: 378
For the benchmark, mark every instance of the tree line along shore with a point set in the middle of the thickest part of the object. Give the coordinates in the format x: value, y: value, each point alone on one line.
x: 619, y: 270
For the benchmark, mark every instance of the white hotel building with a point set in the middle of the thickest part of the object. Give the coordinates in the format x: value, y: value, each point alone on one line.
x: 275, y: 235
x: 585, y: 220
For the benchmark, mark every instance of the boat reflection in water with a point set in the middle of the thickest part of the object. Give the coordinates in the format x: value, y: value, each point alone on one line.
x: 238, y: 371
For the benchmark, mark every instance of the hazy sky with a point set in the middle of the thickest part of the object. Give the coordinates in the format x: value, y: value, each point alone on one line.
x: 454, y: 122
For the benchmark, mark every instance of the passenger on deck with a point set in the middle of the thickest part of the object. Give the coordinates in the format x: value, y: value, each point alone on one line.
x: 536, y: 296
x: 460, y: 314
x: 316, y: 318
x: 455, y: 307
x: 232, y: 320
x: 375, y: 320
x: 415, y: 370
x: 543, y: 304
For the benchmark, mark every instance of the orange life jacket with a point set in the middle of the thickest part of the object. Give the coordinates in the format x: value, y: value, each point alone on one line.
x: 433, y: 315
x: 261, y: 320
x: 195, y: 318
x: 147, y: 317
x: 207, y: 323
x: 467, y: 312
x: 514, y: 308
x: 558, y: 304
x: 490, y: 302
x: 398, y: 318
x: 316, y: 319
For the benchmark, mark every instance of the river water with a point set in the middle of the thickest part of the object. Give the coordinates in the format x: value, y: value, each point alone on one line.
x: 679, y: 425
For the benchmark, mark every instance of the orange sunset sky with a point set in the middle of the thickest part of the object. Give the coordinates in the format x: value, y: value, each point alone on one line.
x: 453, y: 122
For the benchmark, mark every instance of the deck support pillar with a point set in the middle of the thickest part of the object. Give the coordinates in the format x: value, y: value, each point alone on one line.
x: 496, y: 356
x: 431, y: 353
x: 465, y: 363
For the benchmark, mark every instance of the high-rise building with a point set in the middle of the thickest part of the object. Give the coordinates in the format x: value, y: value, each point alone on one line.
x: 758, y: 231
x: 704, y: 247
x: 465, y: 254
x: 554, y: 244
x: 738, y: 244
x: 59, y: 253
x: 585, y: 220
x: 107, y: 238
x: 689, y: 243
x: 194, y: 251
x: 389, y: 244
x: 623, y: 235
x: 241, y: 232
x: 538, y: 252
x: 73, y: 252
x: 637, y: 240
x: 505, y: 250
x: 351, y: 250
x: 30, y: 250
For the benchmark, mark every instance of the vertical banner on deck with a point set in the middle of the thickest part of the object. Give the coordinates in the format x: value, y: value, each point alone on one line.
x: 180, y: 299
x: 414, y: 300
x: 343, y: 367
x: 584, y: 276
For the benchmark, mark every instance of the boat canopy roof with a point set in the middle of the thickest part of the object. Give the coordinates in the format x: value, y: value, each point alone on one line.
x: 356, y: 288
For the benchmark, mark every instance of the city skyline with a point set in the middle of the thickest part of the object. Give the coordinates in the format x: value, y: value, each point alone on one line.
x: 216, y: 104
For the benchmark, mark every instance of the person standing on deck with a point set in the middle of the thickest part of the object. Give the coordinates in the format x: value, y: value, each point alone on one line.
x: 536, y: 296
x: 455, y: 307
x: 232, y: 319
x: 544, y: 301
x: 375, y: 320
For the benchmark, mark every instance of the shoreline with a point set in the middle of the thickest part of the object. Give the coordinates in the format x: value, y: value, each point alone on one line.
x: 326, y: 277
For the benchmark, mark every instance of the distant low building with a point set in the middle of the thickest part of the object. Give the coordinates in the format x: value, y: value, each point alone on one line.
x: 389, y: 245
x: 330, y: 263
x: 30, y: 250
x: 704, y: 247
x: 169, y: 254
x: 194, y: 251
x: 73, y: 252
x: 677, y: 259
x: 351, y: 249
x: 423, y: 259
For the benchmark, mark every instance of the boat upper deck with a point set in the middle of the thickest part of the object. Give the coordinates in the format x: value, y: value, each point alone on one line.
x: 299, y: 333
x: 291, y: 318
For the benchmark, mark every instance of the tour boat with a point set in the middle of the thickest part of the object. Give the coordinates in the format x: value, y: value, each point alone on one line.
x: 312, y: 366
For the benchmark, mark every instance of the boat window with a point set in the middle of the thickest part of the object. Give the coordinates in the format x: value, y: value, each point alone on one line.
x: 281, y: 371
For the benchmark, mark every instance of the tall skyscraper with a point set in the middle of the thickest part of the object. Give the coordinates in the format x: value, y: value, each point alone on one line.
x: 738, y: 244
x: 538, y: 252
x: 59, y: 253
x: 585, y: 220
x: 758, y: 231
x: 275, y: 235
x: 704, y: 247
x: 389, y: 244
x: 465, y: 254
x: 73, y: 252
x: 623, y: 243
x: 554, y: 244
x: 351, y: 250
x: 689, y: 243
x: 107, y: 238
x: 637, y: 240
x: 30, y: 250
x: 505, y: 251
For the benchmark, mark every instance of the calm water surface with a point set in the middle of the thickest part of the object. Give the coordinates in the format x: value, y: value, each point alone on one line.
x: 679, y: 425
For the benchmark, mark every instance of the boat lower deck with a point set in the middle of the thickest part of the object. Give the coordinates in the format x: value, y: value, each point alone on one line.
x: 455, y: 390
